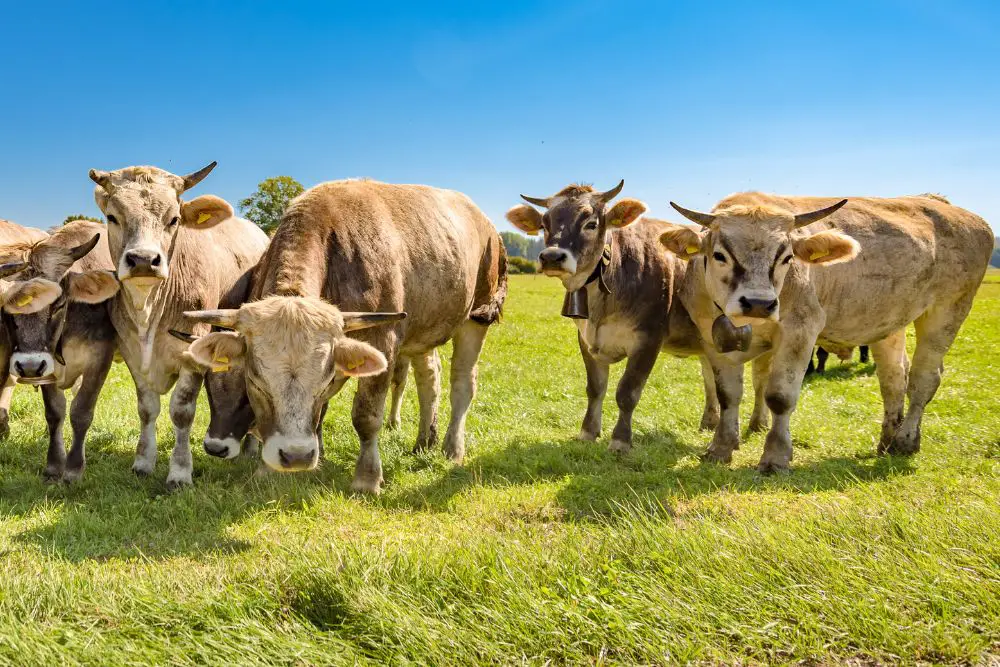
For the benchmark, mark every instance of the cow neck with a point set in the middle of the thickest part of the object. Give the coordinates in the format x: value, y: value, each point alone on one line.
x: 144, y: 315
x: 576, y: 303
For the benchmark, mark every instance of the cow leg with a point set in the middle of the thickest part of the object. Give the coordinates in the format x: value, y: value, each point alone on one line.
x: 6, y: 394
x: 864, y: 354
x: 710, y: 416
x: 183, y: 402
x: 759, y: 418
x: 597, y: 387
x: 427, y: 371
x: 729, y: 389
x: 784, y: 384
x: 398, y: 387
x: 55, y: 414
x: 366, y: 415
x: 466, y: 345
x: 81, y: 415
x: 892, y: 367
x: 637, y: 369
x: 936, y: 331
x: 251, y: 446
x: 821, y: 357
x: 149, y: 410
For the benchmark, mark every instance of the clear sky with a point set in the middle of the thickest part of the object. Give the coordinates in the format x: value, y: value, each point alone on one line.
x: 684, y: 100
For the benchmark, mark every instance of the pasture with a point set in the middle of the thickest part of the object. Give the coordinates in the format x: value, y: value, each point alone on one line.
x: 541, y: 548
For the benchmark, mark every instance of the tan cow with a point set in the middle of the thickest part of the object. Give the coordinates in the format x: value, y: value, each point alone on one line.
x: 18, y: 241
x: 768, y: 287
x: 412, y: 250
x: 171, y: 255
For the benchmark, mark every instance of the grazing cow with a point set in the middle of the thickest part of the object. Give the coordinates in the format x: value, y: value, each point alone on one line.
x: 844, y: 353
x: 17, y: 240
x: 427, y: 255
x: 620, y: 291
x: 71, y: 340
x: 773, y: 290
x: 171, y: 255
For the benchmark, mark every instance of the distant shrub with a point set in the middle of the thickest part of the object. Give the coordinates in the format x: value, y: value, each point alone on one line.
x: 521, y: 265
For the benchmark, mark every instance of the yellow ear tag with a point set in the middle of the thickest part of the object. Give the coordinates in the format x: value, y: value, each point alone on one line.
x: 24, y: 300
x: 692, y: 249
x: 819, y: 253
x: 354, y: 364
x: 203, y: 217
x: 224, y: 361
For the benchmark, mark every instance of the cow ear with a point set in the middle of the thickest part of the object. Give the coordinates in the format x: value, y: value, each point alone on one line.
x: 625, y: 212
x: 23, y: 297
x: 205, y: 211
x: 828, y: 247
x: 217, y: 351
x: 355, y: 358
x: 92, y: 286
x: 682, y: 241
x: 525, y: 218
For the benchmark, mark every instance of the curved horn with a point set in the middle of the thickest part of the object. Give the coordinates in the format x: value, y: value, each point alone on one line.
x: 82, y: 249
x: 11, y: 268
x: 612, y: 193
x: 703, y: 219
x: 537, y: 201
x: 803, y: 219
x: 221, y: 318
x: 195, y: 178
x: 180, y: 335
x: 102, y: 178
x: 355, y: 321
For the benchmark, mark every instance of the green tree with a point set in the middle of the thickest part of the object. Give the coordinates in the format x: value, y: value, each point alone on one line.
x: 81, y: 216
x: 265, y: 206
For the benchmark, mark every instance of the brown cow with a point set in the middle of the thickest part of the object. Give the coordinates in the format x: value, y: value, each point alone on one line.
x: 171, y: 256
x: 430, y: 255
x: 757, y: 265
x: 71, y: 340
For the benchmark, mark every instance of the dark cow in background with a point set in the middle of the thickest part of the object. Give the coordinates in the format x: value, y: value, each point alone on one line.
x: 171, y: 255
x: 70, y: 340
x: 423, y: 254
x: 18, y: 241
x: 822, y: 354
x: 620, y: 291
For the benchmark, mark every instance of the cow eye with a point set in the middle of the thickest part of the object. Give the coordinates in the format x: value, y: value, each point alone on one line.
x: 113, y: 220
x: 174, y: 221
x: 590, y: 226
x: 719, y: 257
x: 786, y: 260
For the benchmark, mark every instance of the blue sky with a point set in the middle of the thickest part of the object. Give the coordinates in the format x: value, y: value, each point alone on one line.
x: 684, y: 100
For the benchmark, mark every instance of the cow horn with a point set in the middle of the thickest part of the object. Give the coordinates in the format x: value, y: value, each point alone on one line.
x: 226, y: 317
x: 703, y: 219
x: 195, y: 178
x: 803, y: 219
x: 610, y: 194
x: 103, y: 179
x: 180, y: 335
x: 11, y: 268
x: 537, y: 201
x: 82, y: 249
x: 355, y: 321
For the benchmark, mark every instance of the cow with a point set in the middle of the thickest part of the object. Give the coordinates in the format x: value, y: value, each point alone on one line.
x: 170, y: 255
x: 822, y: 354
x: 409, y: 267
x: 620, y: 291
x: 773, y: 288
x: 17, y: 240
x: 71, y: 340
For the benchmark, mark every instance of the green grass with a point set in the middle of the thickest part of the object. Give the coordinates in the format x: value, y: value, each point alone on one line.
x: 541, y: 548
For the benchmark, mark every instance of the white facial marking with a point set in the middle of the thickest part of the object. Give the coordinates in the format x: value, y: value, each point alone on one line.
x: 226, y: 448
x: 297, y: 449
x: 32, y: 360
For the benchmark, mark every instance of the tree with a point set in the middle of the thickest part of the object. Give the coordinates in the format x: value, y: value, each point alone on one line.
x: 81, y: 216
x: 265, y: 206
x: 519, y: 245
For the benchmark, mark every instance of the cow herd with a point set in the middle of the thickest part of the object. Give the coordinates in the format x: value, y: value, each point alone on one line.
x: 366, y: 279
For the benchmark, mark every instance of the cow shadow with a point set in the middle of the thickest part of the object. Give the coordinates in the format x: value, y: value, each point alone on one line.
x: 841, y: 372
x: 595, y: 484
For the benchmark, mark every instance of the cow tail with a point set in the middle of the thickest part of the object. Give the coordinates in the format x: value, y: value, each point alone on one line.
x: 491, y: 312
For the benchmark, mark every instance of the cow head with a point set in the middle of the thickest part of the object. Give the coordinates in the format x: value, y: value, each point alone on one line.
x: 144, y: 210
x: 291, y: 350
x: 747, y: 251
x: 36, y: 334
x: 24, y: 297
x: 575, y: 224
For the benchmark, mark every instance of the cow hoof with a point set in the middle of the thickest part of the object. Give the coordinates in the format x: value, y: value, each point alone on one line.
x: 4, y: 429
x: 393, y: 423
x: 619, y: 447
x: 717, y: 456
x: 52, y: 476
x: 177, y: 479
x: 757, y: 425
x: 902, y: 445
x: 709, y: 422
x: 772, y: 467
x: 454, y: 451
x: 143, y: 467
x: 72, y: 475
x: 587, y: 436
x: 367, y: 487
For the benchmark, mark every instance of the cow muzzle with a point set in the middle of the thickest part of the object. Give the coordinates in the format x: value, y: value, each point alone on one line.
x: 224, y: 448
x: 34, y: 368
x: 286, y: 454
x: 143, y: 263
x: 557, y: 262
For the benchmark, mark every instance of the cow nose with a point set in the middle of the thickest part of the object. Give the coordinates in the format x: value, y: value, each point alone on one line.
x: 296, y: 459
x: 30, y: 368
x: 140, y: 260
x: 758, y: 307
x: 552, y: 256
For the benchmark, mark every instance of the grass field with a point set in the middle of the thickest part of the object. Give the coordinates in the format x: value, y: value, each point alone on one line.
x: 541, y: 548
